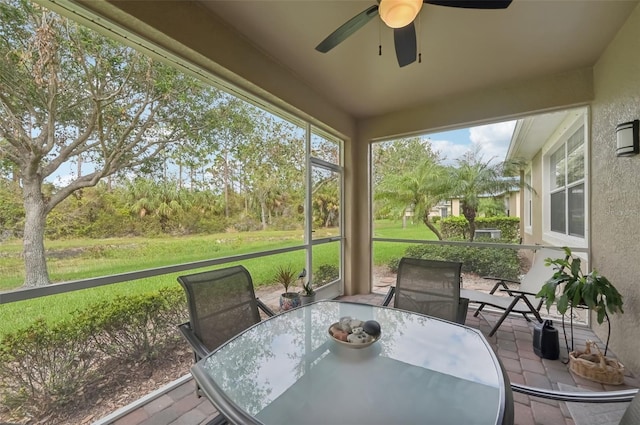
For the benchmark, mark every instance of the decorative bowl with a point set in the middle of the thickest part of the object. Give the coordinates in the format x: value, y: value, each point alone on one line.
x: 350, y: 344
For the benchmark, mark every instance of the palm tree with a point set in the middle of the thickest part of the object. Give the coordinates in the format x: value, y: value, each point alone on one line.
x: 420, y: 188
x: 163, y: 199
x: 474, y: 178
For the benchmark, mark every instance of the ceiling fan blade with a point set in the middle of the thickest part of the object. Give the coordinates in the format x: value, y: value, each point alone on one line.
x: 406, y: 46
x: 472, y: 4
x: 348, y: 28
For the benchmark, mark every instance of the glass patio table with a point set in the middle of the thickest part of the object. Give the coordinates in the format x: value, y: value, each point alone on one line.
x: 289, y: 370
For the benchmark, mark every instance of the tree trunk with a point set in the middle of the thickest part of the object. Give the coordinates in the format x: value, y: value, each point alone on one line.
x: 35, y: 263
x: 263, y: 215
x: 470, y: 215
x: 431, y: 226
x: 226, y: 184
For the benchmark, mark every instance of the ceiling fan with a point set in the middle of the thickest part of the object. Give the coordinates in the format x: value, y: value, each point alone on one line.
x: 399, y: 15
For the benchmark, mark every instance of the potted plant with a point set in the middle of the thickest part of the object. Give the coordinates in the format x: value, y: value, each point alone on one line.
x: 286, y: 277
x: 590, y: 290
x: 308, y: 294
x: 571, y: 287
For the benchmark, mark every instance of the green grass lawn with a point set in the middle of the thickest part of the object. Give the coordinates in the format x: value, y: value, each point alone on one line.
x: 383, y: 252
x: 79, y: 259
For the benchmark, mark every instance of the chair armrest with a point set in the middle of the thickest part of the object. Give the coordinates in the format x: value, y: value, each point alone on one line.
x: 514, y: 291
x: 198, y: 347
x: 501, y: 279
x: 578, y: 396
x: 389, y: 296
x: 463, y: 306
x: 501, y: 282
x: 262, y: 306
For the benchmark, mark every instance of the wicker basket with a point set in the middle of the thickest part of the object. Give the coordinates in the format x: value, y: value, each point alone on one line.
x: 596, y: 366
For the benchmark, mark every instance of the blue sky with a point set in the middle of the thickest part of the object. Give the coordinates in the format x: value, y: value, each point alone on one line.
x: 492, y: 140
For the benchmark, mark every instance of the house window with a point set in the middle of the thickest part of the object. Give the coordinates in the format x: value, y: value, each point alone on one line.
x: 567, y: 186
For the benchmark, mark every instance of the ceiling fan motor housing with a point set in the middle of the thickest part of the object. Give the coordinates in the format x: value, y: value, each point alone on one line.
x: 399, y: 13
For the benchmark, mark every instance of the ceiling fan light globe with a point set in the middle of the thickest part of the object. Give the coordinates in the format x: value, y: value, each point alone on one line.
x: 399, y: 13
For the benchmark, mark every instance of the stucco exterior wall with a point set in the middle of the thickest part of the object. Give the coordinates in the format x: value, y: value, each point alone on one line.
x: 536, y: 202
x: 455, y: 207
x: 615, y: 186
x: 513, y: 204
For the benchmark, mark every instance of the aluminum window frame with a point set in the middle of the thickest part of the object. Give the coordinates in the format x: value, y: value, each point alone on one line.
x: 77, y: 13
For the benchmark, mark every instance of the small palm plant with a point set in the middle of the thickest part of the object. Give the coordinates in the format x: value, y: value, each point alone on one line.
x: 286, y: 277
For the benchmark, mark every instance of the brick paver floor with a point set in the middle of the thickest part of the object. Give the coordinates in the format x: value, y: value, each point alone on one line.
x: 512, y: 343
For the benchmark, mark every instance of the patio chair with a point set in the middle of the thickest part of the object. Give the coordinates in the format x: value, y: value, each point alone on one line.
x: 522, y: 300
x: 631, y: 415
x: 429, y: 287
x: 222, y: 303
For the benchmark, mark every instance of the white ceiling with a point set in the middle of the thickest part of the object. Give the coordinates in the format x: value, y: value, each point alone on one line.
x: 462, y: 50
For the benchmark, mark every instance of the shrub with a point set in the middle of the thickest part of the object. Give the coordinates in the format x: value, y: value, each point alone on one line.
x: 457, y: 227
x: 194, y: 222
x: 44, y: 366
x: 247, y: 224
x: 509, y: 227
x: 393, y: 265
x: 135, y: 325
x: 454, y: 227
x: 326, y: 273
x: 500, y: 262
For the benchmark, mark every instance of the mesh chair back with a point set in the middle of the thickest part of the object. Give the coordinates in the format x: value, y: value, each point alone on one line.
x: 429, y: 287
x: 222, y: 304
x: 539, y: 273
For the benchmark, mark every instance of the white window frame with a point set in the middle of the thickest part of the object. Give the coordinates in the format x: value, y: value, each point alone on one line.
x: 335, y: 288
x: 559, y: 138
x: 528, y: 202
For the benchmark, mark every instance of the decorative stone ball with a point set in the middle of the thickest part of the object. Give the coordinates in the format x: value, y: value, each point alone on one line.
x: 372, y: 328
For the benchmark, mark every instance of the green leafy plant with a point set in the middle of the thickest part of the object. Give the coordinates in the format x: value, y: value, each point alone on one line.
x: 591, y: 289
x: 285, y: 276
x: 45, y: 366
x: 307, y: 289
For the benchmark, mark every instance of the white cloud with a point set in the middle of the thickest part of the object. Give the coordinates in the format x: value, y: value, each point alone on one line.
x: 449, y: 151
x: 492, y: 139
